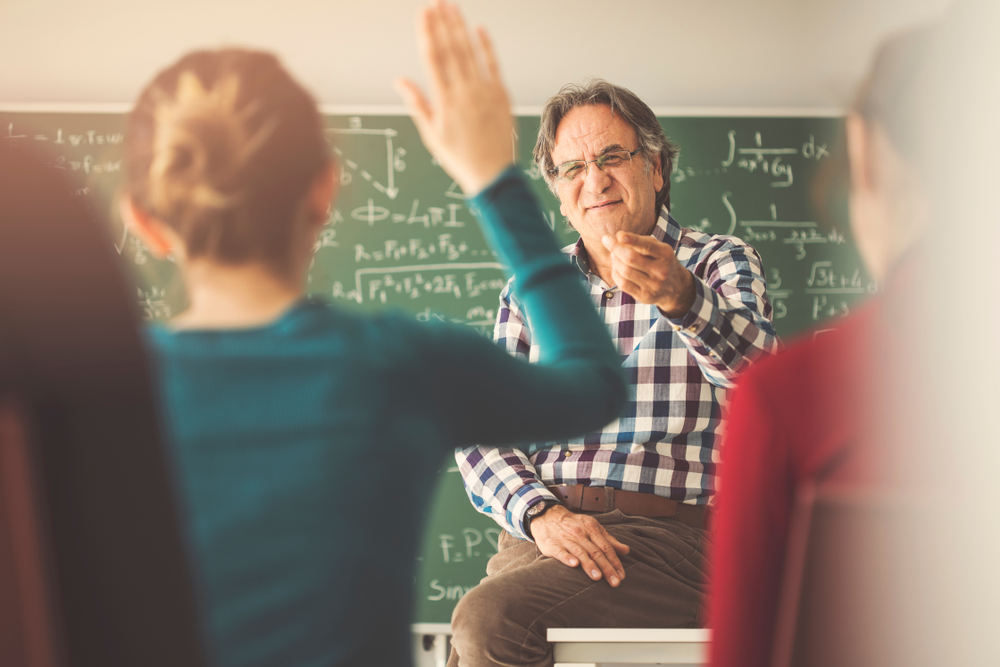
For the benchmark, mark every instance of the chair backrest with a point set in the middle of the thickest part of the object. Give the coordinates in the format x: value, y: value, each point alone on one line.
x: 27, y: 635
x: 89, y: 524
x: 846, y: 586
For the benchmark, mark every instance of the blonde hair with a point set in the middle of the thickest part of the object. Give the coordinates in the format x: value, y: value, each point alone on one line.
x: 223, y: 146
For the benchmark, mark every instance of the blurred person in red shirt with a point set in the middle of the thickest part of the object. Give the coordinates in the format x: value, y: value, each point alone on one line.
x: 884, y: 403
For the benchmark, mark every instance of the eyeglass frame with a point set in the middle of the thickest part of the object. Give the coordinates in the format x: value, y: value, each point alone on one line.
x: 554, y: 171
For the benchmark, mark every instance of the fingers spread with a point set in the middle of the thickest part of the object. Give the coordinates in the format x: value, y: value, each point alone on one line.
x: 465, y: 118
x: 419, y: 107
x: 432, y: 49
x: 463, y: 57
x: 489, y: 56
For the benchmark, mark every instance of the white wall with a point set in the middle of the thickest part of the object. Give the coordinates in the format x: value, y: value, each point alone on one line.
x: 733, y: 53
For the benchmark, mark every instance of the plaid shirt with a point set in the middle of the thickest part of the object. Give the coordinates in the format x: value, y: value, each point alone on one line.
x: 666, y: 440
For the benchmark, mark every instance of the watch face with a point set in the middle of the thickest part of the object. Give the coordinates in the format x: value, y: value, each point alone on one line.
x: 535, y: 510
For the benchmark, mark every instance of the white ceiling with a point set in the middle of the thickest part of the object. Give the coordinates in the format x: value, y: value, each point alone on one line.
x: 673, y: 53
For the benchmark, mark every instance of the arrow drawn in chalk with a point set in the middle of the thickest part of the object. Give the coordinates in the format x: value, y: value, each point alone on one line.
x: 389, y: 190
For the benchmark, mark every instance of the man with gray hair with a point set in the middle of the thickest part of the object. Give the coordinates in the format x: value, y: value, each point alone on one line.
x: 626, y: 504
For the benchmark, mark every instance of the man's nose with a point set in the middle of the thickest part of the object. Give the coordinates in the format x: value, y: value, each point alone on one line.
x: 596, y: 180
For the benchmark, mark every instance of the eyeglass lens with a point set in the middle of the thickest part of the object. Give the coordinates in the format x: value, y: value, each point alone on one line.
x: 568, y: 171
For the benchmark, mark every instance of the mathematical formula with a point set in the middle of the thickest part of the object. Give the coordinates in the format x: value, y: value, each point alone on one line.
x: 66, y: 143
x: 401, y: 233
x: 461, y: 281
x: 468, y: 544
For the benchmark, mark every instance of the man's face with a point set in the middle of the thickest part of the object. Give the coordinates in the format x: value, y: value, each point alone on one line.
x: 600, y: 203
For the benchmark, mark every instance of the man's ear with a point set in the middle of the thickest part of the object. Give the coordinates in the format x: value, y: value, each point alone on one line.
x: 154, y: 234
x: 658, y: 181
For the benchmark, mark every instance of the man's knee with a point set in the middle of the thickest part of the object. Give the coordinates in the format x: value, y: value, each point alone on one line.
x: 486, y: 609
x: 492, y: 625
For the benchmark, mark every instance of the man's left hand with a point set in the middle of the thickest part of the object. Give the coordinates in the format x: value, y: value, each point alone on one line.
x: 649, y: 271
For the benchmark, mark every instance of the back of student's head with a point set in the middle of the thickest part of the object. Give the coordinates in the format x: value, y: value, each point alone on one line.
x: 891, y: 95
x: 223, y: 147
x: 927, y: 86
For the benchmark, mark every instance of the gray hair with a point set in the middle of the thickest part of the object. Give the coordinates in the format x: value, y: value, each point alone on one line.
x: 652, y: 140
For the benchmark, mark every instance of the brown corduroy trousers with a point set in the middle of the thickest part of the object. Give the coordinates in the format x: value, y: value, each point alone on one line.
x: 504, y: 620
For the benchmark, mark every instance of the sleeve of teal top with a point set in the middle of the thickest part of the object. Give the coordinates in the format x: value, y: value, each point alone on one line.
x: 485, y: 396
x: 513, y: 224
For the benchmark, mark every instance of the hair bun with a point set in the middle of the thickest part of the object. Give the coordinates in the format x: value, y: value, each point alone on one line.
x: 202, y: 143
x: 223, y: 146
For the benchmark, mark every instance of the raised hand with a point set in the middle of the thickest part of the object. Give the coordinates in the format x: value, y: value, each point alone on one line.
x: 578, y: 539
x: 466, y: 123
x: 649, y: 271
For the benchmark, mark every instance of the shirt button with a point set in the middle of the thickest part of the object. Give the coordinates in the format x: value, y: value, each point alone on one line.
x: 567, y: 453
x: 608, y: 294
x: 693, y: 328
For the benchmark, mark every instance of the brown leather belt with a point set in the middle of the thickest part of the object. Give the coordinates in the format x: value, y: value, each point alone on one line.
x: 607, y: 499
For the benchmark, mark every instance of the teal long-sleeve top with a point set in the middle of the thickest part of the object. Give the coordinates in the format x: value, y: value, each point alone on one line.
x: 306, y: 450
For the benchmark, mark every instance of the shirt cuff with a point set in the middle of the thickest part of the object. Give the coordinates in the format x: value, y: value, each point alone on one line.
x: 702, y: 322
x: 699, y: 316
x: 523, y: 498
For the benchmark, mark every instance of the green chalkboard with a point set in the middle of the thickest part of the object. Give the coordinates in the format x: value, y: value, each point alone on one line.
x: 401, y: 237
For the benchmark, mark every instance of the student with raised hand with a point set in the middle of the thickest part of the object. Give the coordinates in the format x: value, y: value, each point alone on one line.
x: 307, y: 439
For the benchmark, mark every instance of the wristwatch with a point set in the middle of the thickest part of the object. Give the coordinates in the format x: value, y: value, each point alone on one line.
x: 535, y: 511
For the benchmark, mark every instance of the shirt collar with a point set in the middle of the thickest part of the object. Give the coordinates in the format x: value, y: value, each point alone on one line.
x: 666, y: 230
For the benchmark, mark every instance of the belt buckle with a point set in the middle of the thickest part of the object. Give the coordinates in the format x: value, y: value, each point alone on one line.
x: 609, y: 499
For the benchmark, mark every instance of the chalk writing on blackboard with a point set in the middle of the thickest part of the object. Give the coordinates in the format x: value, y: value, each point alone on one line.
x: 796, y: 233
x: 394, y: 157
x: 828, y: 285
x: 444, y: 247
x: 470, y: 545
x: 450, y: 592
x: 154, y: 304
x: 769, y: 160
x: 411, y: 282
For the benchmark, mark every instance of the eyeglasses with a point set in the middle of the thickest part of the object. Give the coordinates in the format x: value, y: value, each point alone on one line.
x: 569, y: 171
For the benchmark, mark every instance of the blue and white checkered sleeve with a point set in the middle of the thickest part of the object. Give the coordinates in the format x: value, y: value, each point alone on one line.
x: 501, y: 482
x: 729, y: 324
